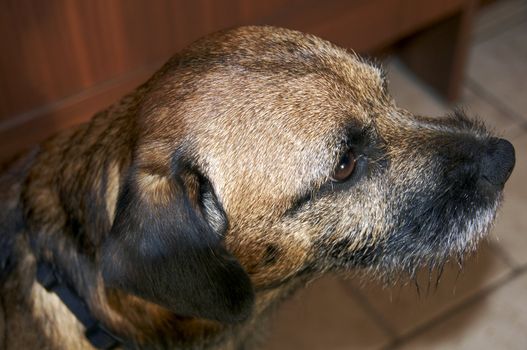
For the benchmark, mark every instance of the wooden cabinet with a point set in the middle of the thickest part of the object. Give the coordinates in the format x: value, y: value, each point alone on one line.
x: 63, y: 60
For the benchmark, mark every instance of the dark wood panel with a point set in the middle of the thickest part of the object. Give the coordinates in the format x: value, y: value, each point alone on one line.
x: 37, y: 125
x: 52, y: 49
x: 368, y: 25
x: 55, y: 49
x: 438, y: 53
x: 62, y: 60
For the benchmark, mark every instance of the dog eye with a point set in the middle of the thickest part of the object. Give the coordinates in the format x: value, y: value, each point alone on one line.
x: 345, y: 167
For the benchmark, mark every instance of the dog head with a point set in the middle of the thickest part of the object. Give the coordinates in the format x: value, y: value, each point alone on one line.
x: 263, y: 154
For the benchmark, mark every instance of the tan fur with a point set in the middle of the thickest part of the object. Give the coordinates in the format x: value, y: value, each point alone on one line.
x: 59, y: 324
x: 262, y: 113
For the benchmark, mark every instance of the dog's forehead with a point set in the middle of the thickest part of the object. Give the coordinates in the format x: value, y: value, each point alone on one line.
x: 270, y: 109
x: 290, y: 77
x: 266, y: 140
x: 264, y: 110
x: 276, y: 53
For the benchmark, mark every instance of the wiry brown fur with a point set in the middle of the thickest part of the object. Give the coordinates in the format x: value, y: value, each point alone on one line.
x: 263, y: 114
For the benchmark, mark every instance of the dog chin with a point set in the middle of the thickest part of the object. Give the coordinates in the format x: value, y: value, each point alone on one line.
x: 452, y: 241
x: 419, y: 241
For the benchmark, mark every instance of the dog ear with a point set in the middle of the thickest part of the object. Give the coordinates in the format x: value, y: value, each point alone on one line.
x: 165, y: 246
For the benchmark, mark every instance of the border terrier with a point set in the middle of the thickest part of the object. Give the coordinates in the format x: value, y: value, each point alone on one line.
x: 255, y: 160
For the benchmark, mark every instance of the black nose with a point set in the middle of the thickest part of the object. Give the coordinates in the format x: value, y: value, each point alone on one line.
x: 497, y: 162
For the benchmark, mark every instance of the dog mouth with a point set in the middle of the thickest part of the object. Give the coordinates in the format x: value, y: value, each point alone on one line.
x: 433, y: 203
x: 433, y: 237
x: 429, y: 229
x: 426, y: 240
x: 446, y: 219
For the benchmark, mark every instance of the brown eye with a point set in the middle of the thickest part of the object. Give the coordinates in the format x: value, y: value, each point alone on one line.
x: 345, y: 167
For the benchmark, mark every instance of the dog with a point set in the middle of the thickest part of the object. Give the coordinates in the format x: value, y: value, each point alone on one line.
x: 252, y: 162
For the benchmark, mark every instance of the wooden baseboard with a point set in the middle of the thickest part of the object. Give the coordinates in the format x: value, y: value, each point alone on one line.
x: 17, y: 134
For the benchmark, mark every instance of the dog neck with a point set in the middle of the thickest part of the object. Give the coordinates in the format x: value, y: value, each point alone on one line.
x: 98, y: 336
x: 71, y: 198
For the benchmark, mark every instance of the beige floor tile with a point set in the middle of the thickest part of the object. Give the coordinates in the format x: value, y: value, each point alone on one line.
x: 323, y: 317
x: 496, y: 322
x: 499, y: 66
x: 495, y: 17
x: 410, y: 93
x: 511, y: 226
x: 476, y: 106
x: 404, y: 308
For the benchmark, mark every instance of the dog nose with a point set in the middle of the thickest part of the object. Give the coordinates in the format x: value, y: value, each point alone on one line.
x: 497, y: 162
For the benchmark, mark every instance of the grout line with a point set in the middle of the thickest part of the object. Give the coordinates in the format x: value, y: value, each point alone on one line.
x: 502, y: 254
x: 369, y: 309
x: 419, y: 83
x: 495, y: 101
x: 499, y: 29
x: 99, y: 88
x: 523, y: 126
x: 423, y: 328
x: 516, y: 271
x: 519, y: 131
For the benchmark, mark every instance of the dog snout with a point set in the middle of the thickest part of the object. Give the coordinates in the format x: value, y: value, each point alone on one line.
x: 497, y: 162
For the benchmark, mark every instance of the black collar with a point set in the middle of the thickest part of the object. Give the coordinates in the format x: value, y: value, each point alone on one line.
x: 97, y: 334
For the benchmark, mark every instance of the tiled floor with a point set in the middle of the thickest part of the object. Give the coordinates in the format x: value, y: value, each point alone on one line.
x: 484, y: 306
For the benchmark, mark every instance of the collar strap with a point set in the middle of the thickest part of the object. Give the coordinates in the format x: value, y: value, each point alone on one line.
x: 96, y: 333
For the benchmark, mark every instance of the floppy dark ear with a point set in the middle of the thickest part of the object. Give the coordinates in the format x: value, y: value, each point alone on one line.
x: 163, y: 248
